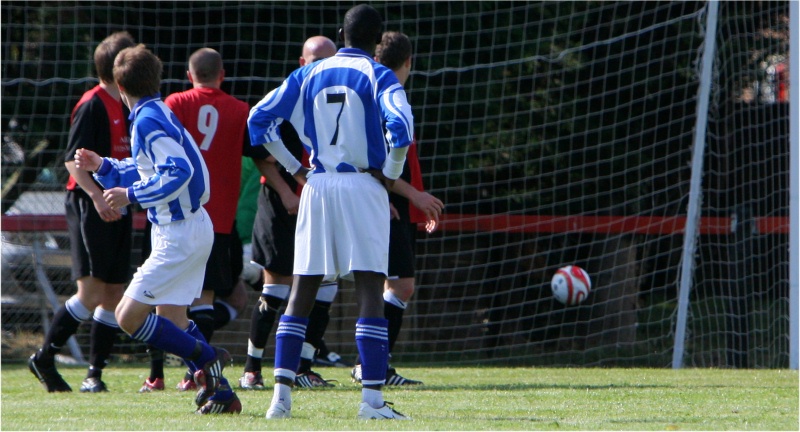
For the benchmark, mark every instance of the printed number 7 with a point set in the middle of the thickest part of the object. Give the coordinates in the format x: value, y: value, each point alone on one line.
x: 333, y: 98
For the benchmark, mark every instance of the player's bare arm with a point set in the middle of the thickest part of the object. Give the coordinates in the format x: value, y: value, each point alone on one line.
x: 85, y: 181
x: 271, y: 172
x: 427, y: 203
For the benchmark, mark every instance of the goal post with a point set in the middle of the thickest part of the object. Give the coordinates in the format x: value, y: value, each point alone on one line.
x: 794, y: 201
x: 695, y: 184
x: 557, y: 133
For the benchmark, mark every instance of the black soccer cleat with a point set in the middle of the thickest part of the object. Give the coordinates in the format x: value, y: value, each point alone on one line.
x: 392, y: 377
x: 311, y: 379
x: 232, y: 405
x: 48, y: 375
x: 93, y: 385
x: 395, y: 379
x: 208, y: 378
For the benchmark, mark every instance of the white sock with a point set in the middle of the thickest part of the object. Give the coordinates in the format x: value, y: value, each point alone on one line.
x: 282, y: 393
x: 373, y: 397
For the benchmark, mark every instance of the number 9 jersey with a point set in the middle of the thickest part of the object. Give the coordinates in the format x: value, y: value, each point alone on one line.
x: 347, y: 109
x: 217, y: 121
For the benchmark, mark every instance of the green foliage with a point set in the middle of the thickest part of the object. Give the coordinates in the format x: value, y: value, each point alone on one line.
x: 452, y: 399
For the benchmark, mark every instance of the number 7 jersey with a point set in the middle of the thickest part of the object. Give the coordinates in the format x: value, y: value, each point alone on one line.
x: 347, y: 109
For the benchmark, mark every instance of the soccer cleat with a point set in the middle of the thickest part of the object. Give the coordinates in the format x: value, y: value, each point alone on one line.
x: 395, y: 379
x: 48, y: 376
x: 392, y: 377
x: 355, y: 374
x: 251, y: 381
x: 214, y: 405
x: 278, y: 411
x: 311, y: 379
x: 207, y: 378
x: 93, y: 385
x: 186, y: 385
x: 155, y: 385
x: 386, y: 412
x: 332, y: 359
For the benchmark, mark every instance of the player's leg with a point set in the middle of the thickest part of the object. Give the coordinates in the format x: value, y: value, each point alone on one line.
x: 102, y: 337
x: 170, y: 278
x: 372, y: 342
x: 231, y: 300
x: 273, y: 295
x: 66, y: 320
x: 398, y: 290
x: 109, y: 247
x: 318, y: 320
x: 272, y: 249
x: 289, y: 340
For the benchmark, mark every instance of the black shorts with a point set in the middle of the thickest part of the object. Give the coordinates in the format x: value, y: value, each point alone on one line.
x: 224, y: 265
x: 98, y: 249
x: 273, y: 234
x: 402, y: 248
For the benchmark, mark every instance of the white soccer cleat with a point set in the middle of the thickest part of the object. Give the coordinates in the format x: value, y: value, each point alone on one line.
x: 386, y: 412
x: 278, y: 411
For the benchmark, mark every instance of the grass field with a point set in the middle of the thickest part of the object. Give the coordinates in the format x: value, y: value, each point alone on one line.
x: 452, y: 399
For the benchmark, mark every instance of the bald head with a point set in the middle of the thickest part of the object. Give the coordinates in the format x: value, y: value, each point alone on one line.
x: 316, y: 48
x: 205, y: 67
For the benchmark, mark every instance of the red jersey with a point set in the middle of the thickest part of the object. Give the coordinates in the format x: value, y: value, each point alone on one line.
x: 412, y: 161
x: 217, y: 122
x: 98, y: 123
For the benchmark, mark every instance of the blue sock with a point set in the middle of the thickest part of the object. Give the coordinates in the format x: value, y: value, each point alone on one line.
x: 372, y: 339
x: 224, y: 392
x: 163, y: 334
x: 195, y: 332
x: 289, y: 340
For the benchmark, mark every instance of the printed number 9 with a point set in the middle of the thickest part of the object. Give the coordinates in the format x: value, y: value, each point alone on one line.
x: 207, y: 120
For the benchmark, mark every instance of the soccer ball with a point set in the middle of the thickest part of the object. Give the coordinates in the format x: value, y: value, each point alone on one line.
x: 571, y: 285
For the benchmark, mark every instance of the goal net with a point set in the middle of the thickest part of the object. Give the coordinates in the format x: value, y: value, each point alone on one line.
x: 556, y: 133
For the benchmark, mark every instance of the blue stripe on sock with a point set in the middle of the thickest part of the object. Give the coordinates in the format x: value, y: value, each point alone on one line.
x: 372, y: 339
x: 289, y: 340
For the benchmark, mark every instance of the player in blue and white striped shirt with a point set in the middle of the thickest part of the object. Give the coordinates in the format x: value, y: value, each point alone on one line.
x: 166, y: 175
x: 345, y: 109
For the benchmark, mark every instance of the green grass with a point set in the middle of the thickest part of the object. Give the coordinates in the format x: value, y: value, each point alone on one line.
x: 452, y: 399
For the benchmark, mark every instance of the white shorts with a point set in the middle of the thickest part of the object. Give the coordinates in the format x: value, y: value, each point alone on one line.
x: 342, y: 225
x: 174, y: 272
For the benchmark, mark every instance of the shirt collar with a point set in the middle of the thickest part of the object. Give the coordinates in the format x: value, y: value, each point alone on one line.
x: 353, y: 52
x: 140, y: 104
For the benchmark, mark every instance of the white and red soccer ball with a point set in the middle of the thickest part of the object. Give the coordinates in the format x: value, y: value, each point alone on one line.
x: 571, y: 285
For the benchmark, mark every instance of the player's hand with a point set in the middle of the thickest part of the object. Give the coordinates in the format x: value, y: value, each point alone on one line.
x: 107, y: 214
x: 291, y: 202
x: 87, y: 160
x: 393, y: 213
x: 116, y: 197
x: 431, y: 206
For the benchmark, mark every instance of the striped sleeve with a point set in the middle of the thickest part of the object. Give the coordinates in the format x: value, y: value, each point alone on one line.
x: 397, y: 113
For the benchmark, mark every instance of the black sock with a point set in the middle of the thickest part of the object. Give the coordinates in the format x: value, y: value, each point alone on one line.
x: 305, y: 365
x: 318, y: 321
x: 100, y: 344
x: 156, y: 363
x: 261, y: 322
x: 222, y: 316
x: 394, y: 315
x: 204, y: 320
x: 62, y: 327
